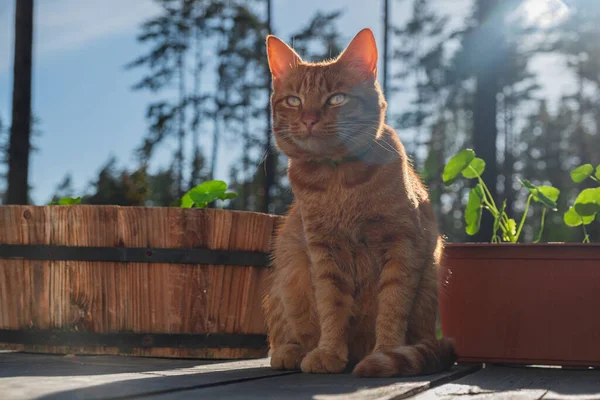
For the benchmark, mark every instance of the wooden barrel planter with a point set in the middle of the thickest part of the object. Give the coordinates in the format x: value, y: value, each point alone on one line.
x: 161, y: 282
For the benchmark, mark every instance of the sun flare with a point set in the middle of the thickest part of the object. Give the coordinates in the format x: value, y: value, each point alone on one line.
x: 544, y: 13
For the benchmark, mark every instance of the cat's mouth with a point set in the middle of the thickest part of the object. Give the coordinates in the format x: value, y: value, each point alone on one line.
x: 305, y: 142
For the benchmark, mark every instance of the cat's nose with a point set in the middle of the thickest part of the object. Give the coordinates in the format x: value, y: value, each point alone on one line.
x: 310, y: 120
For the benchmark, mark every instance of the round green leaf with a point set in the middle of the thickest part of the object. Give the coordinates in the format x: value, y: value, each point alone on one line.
x: 227, y: 196
x: 587, y: 202
x: 205, y: 193
x: 582, y: 172
x: 587, y: 209
x: 474, y: 169
x: 573, y: 219
x: 211, y: 187
x: 456, y: 165
x: 588, y: 220
x: 550, y: 192
x: 473, y: 211
x: 528, y: 185
x: 67, y: 201
x: 547, y: 195
x: 202, y: 199
x: 598, y: 172
x: 186, y: 201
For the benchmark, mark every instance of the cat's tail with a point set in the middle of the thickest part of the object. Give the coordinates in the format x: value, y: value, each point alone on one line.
x: 426, y: 357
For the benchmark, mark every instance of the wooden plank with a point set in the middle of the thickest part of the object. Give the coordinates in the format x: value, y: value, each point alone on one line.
x: 503, y: 382
x: 30, y: 376
x: 321, y: 387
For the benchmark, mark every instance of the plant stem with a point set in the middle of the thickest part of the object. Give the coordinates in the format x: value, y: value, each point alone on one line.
x: 524, y: 216
x: 488, y: 200
x: 507, y: 230
x: 539, y: 238
x: 487, y: 192
x: 586, y: 238
x: 503, y: 223
x: 497, y: 216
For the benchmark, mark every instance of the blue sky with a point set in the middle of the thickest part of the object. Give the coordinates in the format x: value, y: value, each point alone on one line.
x: 81, y: 91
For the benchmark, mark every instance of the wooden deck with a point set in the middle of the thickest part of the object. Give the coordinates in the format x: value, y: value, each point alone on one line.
x: 35, y: 376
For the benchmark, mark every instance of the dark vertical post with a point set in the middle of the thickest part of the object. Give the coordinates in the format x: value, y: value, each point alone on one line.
x: 20, y: 131
x: 386, y: 28
x: 270, y: 155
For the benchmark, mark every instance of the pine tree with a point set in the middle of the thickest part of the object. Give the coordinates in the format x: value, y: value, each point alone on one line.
x: 577, y: 41
x: 241, y: 95
x: 547, y: 152
x: 518, y: 89
x: 492, y: 63
x: 434, y: 124
x: 162, y: 188
x: 420, y: 58
x: 116, y: 186
x: 181, y: 28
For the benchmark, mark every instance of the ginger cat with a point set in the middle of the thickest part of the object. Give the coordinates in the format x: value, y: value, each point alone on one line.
x: 354, y: 277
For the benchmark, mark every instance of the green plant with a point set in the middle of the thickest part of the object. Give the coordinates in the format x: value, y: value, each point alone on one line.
x: 66, y: 201
x: 587, y: 204
x: 465, y: 163
x: 205, y: 193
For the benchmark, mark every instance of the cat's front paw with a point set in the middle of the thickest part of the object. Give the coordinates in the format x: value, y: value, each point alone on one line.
x: 286, y: 356
x: 323, y: 361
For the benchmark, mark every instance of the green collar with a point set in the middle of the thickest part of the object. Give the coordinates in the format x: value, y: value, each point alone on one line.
x: 336, y: 163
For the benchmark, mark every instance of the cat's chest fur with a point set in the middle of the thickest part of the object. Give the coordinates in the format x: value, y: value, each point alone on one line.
x: 343, y: 203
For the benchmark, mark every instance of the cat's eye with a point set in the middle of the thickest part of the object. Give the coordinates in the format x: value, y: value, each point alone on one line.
x: 337, y: 99
x: 293, y: 101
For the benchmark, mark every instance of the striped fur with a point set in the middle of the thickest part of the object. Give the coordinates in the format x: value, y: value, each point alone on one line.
x: 427, y: 357
x: 355, y: 265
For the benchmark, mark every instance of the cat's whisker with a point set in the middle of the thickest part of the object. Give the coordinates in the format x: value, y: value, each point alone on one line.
x: 384, y: 145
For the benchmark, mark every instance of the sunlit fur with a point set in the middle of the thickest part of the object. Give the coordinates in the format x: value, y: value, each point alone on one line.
x: 354, y: 277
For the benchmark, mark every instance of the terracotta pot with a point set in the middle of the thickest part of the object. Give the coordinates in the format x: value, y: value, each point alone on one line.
x: 522, y: 303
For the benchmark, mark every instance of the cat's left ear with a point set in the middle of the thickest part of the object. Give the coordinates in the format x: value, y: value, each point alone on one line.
x: 282, y: 58
x: 361, y: 53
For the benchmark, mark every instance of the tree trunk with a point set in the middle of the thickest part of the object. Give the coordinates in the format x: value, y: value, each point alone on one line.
x: 20, y: 131
x: 215, y: 145
x: 386, y: 28
x: 198, y: 66
x: 509, y: 148
x: 181, y: 121
x: 270, y: 158
x: 485, y: 107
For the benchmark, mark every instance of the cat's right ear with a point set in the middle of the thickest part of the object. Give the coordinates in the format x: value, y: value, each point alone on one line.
x: 282, y: 58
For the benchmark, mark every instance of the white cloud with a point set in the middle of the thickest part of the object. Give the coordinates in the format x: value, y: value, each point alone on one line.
x: 64, y: 25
